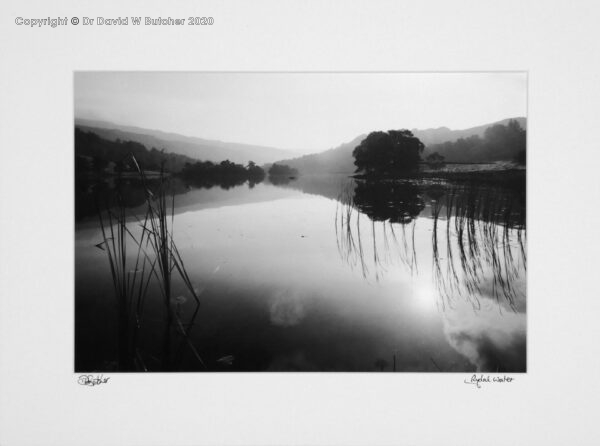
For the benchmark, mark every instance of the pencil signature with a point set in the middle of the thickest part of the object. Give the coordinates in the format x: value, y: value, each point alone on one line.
x: 91, y: 380
x: 478, y: 380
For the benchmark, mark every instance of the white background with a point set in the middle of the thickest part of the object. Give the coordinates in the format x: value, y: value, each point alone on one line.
x: 554, y: 403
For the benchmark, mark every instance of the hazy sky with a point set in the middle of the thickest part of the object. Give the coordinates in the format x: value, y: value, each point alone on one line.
x: 306, y: 112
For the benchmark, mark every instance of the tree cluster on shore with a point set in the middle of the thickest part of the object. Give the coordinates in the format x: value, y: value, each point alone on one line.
x: 98, y: 158
x: 225, y: 174
x: 278, y: 170
x: 95, y: 155
x: 398, y: 152
x: 435, y: 160
x: 388, y: 153
x: 499, y: 142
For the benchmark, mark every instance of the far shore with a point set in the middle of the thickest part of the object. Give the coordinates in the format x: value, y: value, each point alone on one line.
x: 508, y: 173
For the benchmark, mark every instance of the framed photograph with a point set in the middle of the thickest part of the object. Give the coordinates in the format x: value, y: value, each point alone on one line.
x: 294, y: 223
x: 318, y: 239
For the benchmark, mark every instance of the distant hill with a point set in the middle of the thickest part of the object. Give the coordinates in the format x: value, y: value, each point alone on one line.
x: 505, y: 141
x: 340, y: 160
x: 196, y: 148
x: 95, y: 155
x: 444, y: 134
x: 336, y: 160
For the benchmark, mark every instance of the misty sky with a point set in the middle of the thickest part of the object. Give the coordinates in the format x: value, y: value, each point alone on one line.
x: 305, y: 112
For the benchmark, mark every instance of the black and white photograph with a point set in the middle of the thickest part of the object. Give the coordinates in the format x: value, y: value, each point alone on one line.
x: 299, y: 223
x: 305, y: 222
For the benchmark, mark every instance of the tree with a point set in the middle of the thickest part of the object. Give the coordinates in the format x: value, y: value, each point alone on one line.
x: 435, y: 160
x: 388, y: 153
x: 282, y: 170
x: 255, y: 173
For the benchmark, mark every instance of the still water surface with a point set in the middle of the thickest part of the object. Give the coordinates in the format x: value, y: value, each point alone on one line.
x: 330, y: 274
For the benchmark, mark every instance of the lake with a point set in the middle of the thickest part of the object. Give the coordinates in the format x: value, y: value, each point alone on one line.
x: 322, y: 273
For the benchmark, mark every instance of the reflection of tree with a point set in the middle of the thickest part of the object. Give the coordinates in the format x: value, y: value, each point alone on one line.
x: 387, y: 200
x: 280, y: 180
x: 392, y: 208
x: 478, y: 235
x: 202, y: 174
x: 280, y: 174
x: 131, y: 192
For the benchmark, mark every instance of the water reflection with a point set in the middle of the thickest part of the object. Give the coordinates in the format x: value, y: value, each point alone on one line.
x: 477, y: 235
x: 277, y: 296
x: 396, y: 202
x: 131, y: 192
x: 281, y: 180
x: 91, y: 193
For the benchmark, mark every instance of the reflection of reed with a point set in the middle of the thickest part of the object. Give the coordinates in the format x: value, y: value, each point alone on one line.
x: 350, y: 241
x: 478, y: 237
x: 350, y: 247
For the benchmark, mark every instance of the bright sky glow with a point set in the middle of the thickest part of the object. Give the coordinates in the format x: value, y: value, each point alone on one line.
x: 305, y: 112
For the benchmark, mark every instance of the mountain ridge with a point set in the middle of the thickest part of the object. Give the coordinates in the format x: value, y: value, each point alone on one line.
x: 192, y: 146
x: 439, y: 135
x: 334, y: 160
x: 340, y: 160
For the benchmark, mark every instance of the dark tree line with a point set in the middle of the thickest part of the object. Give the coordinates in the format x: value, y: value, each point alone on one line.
x: 499, y: 143
x: 225, y: 174
x: 278, y: 170
x: 435, y: 160
x: 99, y: 157
x: 94, y: 154
x: 388, y: 153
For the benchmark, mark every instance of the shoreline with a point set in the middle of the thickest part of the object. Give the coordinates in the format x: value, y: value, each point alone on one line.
x: 514, y: 175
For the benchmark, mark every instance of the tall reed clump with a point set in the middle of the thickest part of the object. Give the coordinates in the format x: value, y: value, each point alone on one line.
x: 155, y: 258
